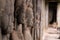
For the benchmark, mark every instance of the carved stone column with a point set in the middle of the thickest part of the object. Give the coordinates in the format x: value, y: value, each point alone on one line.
x: 43, y: 18
x: 58, y: 14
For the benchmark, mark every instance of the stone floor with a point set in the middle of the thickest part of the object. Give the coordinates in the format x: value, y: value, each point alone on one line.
x: 52, y: 34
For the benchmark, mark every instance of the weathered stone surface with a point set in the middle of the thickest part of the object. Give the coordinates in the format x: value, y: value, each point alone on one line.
x: 19, y: 32
x: 7, y: 16
x: 29, y: 16
x: 27, y: 34
x: 20, y: 11
x: 6, y: 37
x: 14, y: 36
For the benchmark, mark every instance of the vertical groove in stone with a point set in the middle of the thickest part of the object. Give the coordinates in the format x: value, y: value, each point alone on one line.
x: 34, y: 25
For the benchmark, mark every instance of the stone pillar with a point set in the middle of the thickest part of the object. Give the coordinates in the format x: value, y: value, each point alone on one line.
x: 46, y: 14
x: 43, y: 18
x: 58, y: 14
x: 38, y: 19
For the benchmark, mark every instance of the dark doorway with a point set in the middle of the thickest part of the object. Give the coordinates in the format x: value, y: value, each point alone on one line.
x: 52, y: 17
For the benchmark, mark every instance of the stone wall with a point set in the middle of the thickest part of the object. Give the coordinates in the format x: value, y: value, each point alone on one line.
x: 20, y: 19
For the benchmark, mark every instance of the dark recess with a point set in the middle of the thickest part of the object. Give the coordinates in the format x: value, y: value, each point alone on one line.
x: 53, y: 7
